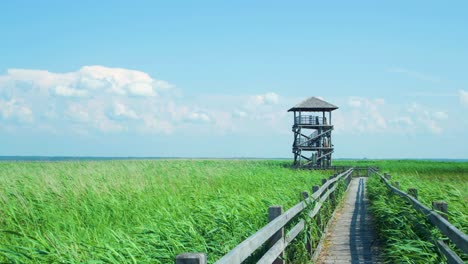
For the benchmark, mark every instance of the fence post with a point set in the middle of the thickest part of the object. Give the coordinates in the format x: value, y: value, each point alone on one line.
x: 332, y: 195
x: 396, y: 184
x: 441, y: 207
x: 324, y: 181
x: 387, y: 176
x: 308, y: 245
x: 191, y: 258
x: 273, y: 212
x: 315, y: 188
x: 413, y: 192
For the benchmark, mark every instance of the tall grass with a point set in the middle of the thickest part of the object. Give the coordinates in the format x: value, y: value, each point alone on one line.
x: 138, y: 211
x: 446, y: 181
x: 405, y: 233
x: 409, y: 238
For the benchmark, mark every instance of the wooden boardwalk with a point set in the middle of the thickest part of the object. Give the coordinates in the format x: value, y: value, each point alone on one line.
x: 350, y: 237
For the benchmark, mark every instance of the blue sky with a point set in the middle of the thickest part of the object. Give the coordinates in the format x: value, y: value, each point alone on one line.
x: 215, y: 79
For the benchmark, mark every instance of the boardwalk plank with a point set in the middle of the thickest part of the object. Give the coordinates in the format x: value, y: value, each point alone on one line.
x: 351, y: 238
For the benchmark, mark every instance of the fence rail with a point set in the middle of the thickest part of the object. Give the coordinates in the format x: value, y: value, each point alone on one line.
x: 310, y: 120
x: 459, y: 238
x: 274, y: 230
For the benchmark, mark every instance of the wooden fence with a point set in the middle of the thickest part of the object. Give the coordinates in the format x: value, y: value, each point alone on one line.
x: 361, y: 170
x: 272, y: 234
x: 440, y: 221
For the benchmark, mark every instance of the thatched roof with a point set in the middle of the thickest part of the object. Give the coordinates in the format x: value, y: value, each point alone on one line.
x: 313, y: 104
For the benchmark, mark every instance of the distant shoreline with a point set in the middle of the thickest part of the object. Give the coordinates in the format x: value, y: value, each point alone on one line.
x: 91, y: 158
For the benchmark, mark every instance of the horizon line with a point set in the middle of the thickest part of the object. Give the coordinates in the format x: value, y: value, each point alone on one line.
x: 91, y: 157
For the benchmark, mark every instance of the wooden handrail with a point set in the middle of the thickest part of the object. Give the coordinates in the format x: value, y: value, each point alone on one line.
x: 252, y: 243
x: 320, y: 202
x: 279, y: 246
x: 459, y: 238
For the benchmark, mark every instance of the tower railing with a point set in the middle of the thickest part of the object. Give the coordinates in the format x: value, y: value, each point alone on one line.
x: 312, y: 140
x: 310, y: 120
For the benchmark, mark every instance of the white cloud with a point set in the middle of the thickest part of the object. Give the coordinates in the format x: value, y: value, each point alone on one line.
x: 39, y: 78
x: 271, y: 98
x: 97, y: 98
x: 162, y: 85
x: 463, y: 95
x: 118, y: 80
x: 112, y: 100
x: 123, y: 111
x: 91, y: 115
x: 436, y: 129
x: 181, y: 114
x: 78, y: 112
x: 402, y: 123
x: 141, y: 89
x: 369, y: 116
x: 240, y: 114
x: 89, y: 78
x: 91, y: 98
x: 354, y: 102
x: 14, y: 109
x: 256, y: 106
x: 380, y: 101
x: 266, y: 99
x: 224, y: 122
x: 365, y: 116
x: 432, y: 120
x: 106, y: 125
x: 198, y: 117
x: 155, y: 125
x: 69, y: 92
x: 440, y: 115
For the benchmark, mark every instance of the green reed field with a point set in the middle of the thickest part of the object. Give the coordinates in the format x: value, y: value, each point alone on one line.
x: 138, y: 210
x: 148, y: 211
x: 446, y: 181
x: 406, y: 234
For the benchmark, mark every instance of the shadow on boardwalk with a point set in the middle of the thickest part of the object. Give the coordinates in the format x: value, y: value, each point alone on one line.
x: 351, y: 238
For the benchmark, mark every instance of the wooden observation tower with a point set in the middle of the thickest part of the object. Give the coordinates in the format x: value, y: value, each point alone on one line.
x: 312, y: 129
